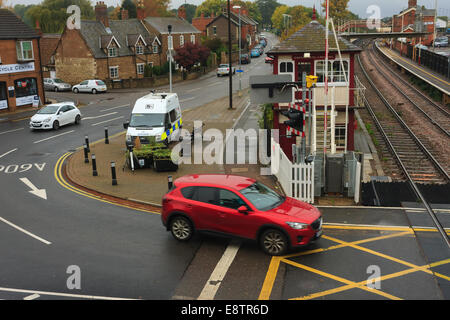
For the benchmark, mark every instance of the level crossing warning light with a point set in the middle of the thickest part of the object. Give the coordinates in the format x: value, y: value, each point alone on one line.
x: 295, y: 122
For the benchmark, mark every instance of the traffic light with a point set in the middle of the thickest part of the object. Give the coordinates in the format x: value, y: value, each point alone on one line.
x: 295, y: 119
x: 310, y: 81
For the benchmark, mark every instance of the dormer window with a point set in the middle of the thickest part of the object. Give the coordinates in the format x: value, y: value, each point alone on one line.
x: 139, y: 49
x: 112, y: 52
x: 181, y: 40
x: 155, y: 48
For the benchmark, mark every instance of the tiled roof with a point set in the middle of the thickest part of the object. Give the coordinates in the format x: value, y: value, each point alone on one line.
x: 11, y: 27
x: 311, y: 38
x: 98, y: 37
x: 178, y: 25
x: 48, y: 44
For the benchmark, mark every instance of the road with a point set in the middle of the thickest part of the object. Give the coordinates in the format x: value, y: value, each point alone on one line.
x: 59, y: 244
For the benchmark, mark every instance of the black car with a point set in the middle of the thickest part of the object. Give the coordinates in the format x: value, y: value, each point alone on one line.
x: 245, y: 58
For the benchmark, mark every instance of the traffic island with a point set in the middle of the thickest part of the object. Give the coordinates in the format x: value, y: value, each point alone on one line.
x: 148, y: 185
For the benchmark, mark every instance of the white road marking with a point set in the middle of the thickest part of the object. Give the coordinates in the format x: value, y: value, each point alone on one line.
x: 55, y: 136
x: 214, y: 83
x: 195, y: 89
x: 11, y: 130
x: 32, y: 297
x: 101, y: 116
x: 212, y: 285
x: 60, y: 294
x: 25, y: 231
x: 96, y: 124
x: 6, y: 153
x: 188, y: 99
x: 126, y: 105
x: 41, y: 193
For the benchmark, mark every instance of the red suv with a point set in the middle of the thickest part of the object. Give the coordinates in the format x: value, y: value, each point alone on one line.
x: 242, y: 207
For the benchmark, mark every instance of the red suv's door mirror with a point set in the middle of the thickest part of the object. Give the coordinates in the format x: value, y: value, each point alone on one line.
x: 243, y: 209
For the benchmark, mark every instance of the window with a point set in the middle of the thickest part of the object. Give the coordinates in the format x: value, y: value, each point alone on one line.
x: 193, y: 38
x: 181, y: 40
x: 113, y: 72
x: 214, y: 30
x: 286, y: 67
x: 335, y: 72
x: 112, y: 52
x: 155, y: 48
x: 173, y: 115
x: 140, y: 68
x: 230, y: 200
x: 139, y: 49
x: 188, y: 192
x: 24, y: 50
x: 25, y: 87
x: 339, y: 135
x: 303, y: 67
x: 206, y: 195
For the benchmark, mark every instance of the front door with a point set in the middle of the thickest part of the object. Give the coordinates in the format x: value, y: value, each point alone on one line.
x: 3, y: 96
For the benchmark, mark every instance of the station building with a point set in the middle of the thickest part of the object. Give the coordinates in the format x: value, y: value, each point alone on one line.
x: 304, y: 51
x: 21, y: 83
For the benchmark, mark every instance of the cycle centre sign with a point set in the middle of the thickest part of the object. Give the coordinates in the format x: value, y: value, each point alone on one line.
x: 13, y: 68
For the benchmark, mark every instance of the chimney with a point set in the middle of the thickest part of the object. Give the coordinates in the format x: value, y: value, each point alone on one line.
x: 314, y: 13
x: 38, y: 28
x: 412, y: 3
x: 124, y: 14
x: 182, y: 13
x: 101, y: 13
x: 202, y: 15
x: 244, y: 12
x: 140, y: 10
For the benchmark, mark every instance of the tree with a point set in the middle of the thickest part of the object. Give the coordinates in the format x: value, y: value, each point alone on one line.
x: 209, y: 7
x: 267, y: 8
x: 52, y: 14
x: 156, y: 8
x: 337, y: 9
x: 190, y: 11
x: 191, y: 54
x: 130, y: 6
x: 278, y: 20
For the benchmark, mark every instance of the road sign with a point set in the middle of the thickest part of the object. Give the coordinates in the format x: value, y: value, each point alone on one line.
x: 239, y: 70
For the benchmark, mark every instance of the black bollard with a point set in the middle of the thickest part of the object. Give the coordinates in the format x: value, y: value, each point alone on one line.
x: 86, y: 158
x: 106, y: 136
x: 94, y: 166
x: 169, y: 182
x: 113, y: 173
x: 86, y: 139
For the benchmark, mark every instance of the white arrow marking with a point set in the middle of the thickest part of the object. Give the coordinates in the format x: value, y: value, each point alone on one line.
x: 41, y: 193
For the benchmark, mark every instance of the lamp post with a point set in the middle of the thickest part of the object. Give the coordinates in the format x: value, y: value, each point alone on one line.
x: 240, y: 39
x: 170, y: 47
x: 230, y: 55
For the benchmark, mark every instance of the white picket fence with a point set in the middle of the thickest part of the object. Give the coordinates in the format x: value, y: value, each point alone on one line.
x: 297, y: 180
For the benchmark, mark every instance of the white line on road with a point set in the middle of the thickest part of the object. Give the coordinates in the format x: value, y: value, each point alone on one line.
x: 96, y: 124
x: 101, y: 116
x: 25, y: 231
x: 126, y: 105
x: 32, y: 297
x: 6, y: 153
x: 195, y: 89
x: 188, y: 99
x: 212, y: 285
x: 214, y: 83
x: 11, y: 131
x: 55, y: 136
x: 60, y: 294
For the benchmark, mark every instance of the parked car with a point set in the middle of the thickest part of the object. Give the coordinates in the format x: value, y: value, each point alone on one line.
x: 260, y: 48
x: 224, y: 69
x: 245, y: 58
x: 255, y: 53
x: 93, y: 86
x: 441, y: 42
x: 55, y: 84
x: 241, y: 207
x: 263, y: 42
x: 421, y: 46
x: 268, y: 60
x: 53, y: 116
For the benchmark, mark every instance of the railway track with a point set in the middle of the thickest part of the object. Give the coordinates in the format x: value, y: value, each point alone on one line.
x: 410, y: 157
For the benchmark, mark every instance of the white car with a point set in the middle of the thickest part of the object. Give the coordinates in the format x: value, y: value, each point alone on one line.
x: 55, y: 115
x: 224, y: 69
x: 92, y: 86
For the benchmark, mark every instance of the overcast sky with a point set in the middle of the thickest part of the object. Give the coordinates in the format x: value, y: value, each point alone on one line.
x: 387, y: 7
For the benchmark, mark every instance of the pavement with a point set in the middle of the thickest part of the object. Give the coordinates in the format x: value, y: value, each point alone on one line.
x: 148, y: 186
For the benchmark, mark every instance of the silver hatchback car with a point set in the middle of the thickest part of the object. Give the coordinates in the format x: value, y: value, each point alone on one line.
x: 92, y: 86
x: 55, y: 84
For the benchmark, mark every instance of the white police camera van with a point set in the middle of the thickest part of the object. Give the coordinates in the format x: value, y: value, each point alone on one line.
x: 155, y: 115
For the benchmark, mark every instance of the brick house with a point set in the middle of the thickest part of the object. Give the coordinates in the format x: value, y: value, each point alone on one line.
x: 49, y: 42
x: 201, y: 22
x: 304, y: 51
x: 415, y: 18
x: 21, y: 81
x: 106, y: 49
x: 218, y: 28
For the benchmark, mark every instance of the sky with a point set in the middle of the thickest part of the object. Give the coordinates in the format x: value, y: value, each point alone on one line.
x: 387, y: 7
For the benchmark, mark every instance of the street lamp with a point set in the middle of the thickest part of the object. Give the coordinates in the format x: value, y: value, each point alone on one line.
x: 240, y: 37
x: 230, y: 55
x: 170, y: 47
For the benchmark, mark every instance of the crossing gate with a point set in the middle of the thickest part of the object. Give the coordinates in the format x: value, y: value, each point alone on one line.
x: 296, y: 179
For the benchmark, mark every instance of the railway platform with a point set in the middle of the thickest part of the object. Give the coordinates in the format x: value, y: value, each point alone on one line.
x: 436, y: 80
